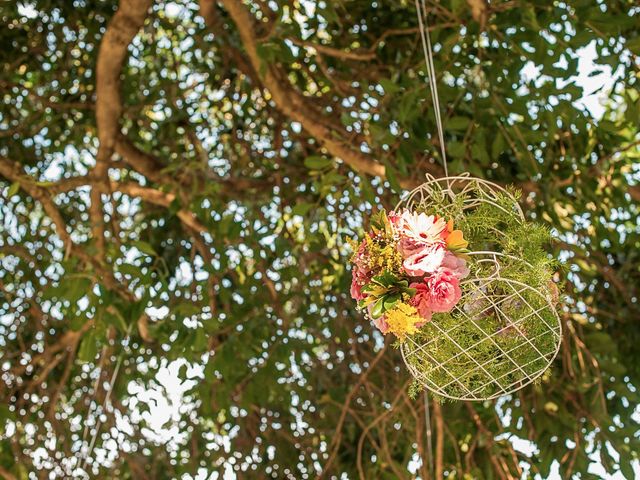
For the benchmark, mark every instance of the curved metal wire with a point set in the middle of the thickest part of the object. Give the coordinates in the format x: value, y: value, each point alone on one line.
x: 474, y: 190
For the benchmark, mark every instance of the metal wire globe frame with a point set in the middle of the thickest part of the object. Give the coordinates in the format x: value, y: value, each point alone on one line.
x: 517, y: 375
x: 476, y: 191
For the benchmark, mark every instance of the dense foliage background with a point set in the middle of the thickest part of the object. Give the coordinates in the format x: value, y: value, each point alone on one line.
x: 179, y: 180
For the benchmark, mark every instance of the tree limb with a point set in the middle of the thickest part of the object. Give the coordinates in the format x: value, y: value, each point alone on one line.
x: 291, y: 103
x: 160, y: 198
x: 113, y: 50
x: 479, y: 11
x: 439, y: 423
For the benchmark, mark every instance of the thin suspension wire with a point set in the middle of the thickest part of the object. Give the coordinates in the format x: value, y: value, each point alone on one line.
x: 83, y: 455
x: 421, y: 8
x: 427, y: 419
x: 107, y: 399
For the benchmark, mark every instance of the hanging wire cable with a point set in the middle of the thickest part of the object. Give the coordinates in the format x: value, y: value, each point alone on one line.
x: 423, y: 23
x: 83, y: 455
x: 103, y: 410
x: 421, y: 8
x: 427, y: 419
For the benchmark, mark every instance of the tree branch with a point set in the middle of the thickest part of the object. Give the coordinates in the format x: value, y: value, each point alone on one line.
x: 479, y: 11
x: 292, y: 104
x: 437, y: 416
x: 13, y: 171
x: 113, y: 50
x: 160, y: 198
x: 7, y: 475
x: 358, y: 55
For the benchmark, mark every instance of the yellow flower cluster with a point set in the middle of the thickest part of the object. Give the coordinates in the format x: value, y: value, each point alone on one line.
x: 383, y: 258
x: 402, y: 319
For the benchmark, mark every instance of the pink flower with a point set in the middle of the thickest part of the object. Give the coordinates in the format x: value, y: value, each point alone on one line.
x: 380, y: 322
x: 421, y: 241
x: 421, y: 228
x: 422, y: 301
x: 424, y: 259
x: 457, y: 265
x: 444, y: 290
x: 360, y: 274
x: 357, y: 282
x: 394, y: 219
x: 360, y: 277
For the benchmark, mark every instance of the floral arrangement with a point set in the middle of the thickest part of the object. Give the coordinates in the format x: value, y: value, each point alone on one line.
x: 464, y: 283
x: 407, y: 268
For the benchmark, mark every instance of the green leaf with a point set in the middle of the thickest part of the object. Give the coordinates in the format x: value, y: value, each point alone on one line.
x: 390, y: 300
x: 13, y: 189
x: 392, y: 178
x: 386, y: 279
x: 456, y: 149
x: 73, y: 289
x: 88, y: 347
x: 316, y: 162
x: 633, y: 44
x: 498, y: 145
x: 378, y: 308
x: 144, y: 247
x: 458, y: 123
x: 116, y: 320
x: 6, y: 414
x: 200, y: 340
x: 389, y: 86
x: 302, y: 208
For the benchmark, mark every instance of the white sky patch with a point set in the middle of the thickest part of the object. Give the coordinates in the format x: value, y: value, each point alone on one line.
x: 596, y: 87
x: 27, y: 10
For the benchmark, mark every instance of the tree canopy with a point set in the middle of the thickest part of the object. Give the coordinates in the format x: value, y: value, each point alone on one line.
x: 179, y: 181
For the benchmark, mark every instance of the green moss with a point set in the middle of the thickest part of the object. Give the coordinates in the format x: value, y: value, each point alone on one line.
x: 488, y: 350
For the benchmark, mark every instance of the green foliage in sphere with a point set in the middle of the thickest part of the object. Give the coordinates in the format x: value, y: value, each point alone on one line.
x: 505, y: 331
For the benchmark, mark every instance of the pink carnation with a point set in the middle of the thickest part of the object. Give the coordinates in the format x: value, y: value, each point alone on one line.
x: 457, y: 265
x: 421, y: 243
x: 360, y: 274
x: 357, y: 282
x: 422, y: 301
x: 424, y: 259
x: 381, y: 324
x: 360, y: 277
x: 444, y: 290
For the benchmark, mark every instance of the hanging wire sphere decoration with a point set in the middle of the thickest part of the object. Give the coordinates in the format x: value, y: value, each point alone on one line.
x: 505, y: 331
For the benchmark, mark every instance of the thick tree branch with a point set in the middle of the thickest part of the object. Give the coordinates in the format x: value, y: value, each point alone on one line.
x: 479, y: 11
x: 358, y: 55
x: 7, y: 475
x: 291, y: 103
x: 152, y: 168
x: 439, y: 423
x: 113, y: 50
x: 141, y: 162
